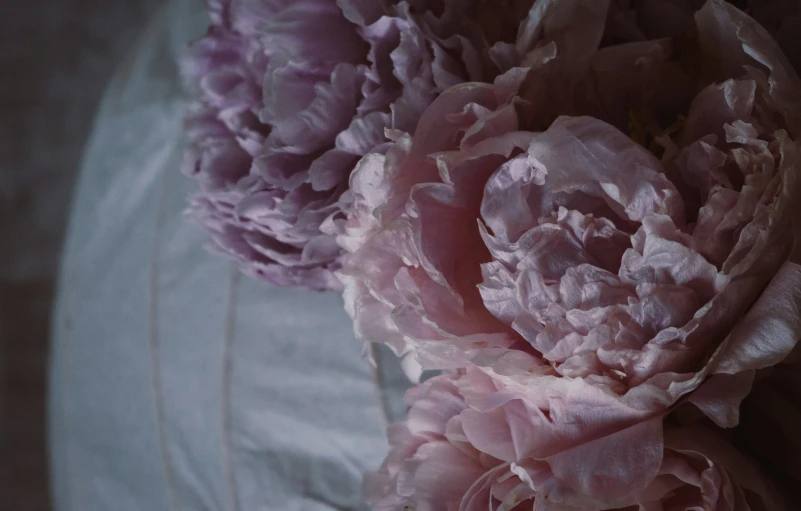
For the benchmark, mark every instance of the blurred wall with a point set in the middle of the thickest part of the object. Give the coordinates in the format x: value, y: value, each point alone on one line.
x: 55, y: 58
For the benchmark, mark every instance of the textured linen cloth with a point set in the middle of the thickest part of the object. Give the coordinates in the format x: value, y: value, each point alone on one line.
x: 176, y: 383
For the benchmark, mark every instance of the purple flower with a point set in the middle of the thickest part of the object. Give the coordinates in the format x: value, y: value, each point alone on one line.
x: 290, y: 94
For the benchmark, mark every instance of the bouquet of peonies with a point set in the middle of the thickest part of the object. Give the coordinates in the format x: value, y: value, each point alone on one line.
x: 583, y: 213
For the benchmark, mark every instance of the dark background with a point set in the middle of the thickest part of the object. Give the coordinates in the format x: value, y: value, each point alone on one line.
x: 55, y: 59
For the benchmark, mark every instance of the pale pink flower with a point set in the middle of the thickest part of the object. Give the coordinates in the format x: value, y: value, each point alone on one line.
x: 471, y: 443
x: 547, y: 249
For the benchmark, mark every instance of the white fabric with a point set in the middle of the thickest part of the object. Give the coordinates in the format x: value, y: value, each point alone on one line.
x: 177, y: 383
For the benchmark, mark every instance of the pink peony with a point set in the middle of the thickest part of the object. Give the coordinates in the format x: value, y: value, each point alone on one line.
x: 290, y: 94
x: 574, y: 252
x: 462, y: 449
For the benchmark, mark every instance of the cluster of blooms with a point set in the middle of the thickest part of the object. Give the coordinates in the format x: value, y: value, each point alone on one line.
x: 291, y: 93
x: 586, y: 215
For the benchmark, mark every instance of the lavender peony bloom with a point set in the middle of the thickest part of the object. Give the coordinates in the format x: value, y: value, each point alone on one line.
x: 290, y: 94
x: 463, y: 448
x: 560, y: 247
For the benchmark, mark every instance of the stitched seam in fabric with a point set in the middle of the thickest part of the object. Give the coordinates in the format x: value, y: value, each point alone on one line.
x: 158, y: 395
x: 228, y: 339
